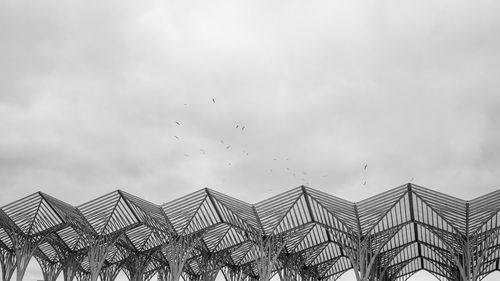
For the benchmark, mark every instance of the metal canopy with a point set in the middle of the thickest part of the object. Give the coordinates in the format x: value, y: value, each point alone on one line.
x: 400, y: 231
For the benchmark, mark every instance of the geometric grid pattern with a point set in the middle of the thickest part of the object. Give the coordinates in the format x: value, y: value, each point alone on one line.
x: 389, y: 236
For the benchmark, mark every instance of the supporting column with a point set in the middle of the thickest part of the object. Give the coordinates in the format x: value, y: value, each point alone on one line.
x: 364, y: 255
x: 82, y: 275
x: 136, y: 265
x: 308, y: 274
x: 269, y: 248
x: 474, y: 251
x: 233, y: 273
x: 292, y: 263
x: 363, y: 260
x: 50, y: 270
x: 109, y: 272
x: 97, y: 251
x: 177, y: 252
x: 474, y: 247
x: 190, y: 277
x: 7, y: 263
x: 210, y: 265
x: 24, y: 247
x: 163, y: 274
x: 363, y: 250
x: 70, y: 265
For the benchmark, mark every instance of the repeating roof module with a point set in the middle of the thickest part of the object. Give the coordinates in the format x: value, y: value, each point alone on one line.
x: 403, y: 230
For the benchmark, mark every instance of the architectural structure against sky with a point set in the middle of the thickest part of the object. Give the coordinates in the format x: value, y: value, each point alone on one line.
x: 302, y: 234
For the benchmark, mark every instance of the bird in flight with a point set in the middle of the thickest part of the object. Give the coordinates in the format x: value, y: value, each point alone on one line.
x: 364, y: 183
x: 176, y: 122
x: 228, y: 147
x: 411, y: 179
x: 243, y: 128
x: 213, y: 100
x: 187, y: 155
x: 176, y: 137
x: 366, y: 166
x: 221, y: 141
x: 237, y: 126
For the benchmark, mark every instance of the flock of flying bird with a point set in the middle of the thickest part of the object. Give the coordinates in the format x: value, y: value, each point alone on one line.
x: 293, y: 173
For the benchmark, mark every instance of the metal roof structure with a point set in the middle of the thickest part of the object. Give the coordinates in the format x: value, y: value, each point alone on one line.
x: 301, y: 234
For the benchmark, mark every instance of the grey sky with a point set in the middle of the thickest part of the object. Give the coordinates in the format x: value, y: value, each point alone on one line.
x: 90, y: 92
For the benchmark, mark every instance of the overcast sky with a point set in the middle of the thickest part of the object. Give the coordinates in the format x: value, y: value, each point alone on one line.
x: 90, y: 93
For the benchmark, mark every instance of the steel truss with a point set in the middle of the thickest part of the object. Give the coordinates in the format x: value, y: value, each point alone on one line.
x: 301, y: 235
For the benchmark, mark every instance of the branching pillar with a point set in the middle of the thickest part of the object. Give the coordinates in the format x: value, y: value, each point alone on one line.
x: 109, y: 272
x: 210, y: 265
x: 50, y: 270
x: 177, y: 252
x: 291, y: 267
x: 268, y: 249
x: 136, y: 265
x: 362, y: 259
x: 82, y: 275
x: 234, y: 273
x: 7, y: 263
x: 467, y: 252
x: 308, y: 274
x: 190, y: 277
x: 24, y: 247
x: 163, y: 274
x: 475, y: 250
x: 97, y: 252
x: 363, y: 252
x: 70, y: 265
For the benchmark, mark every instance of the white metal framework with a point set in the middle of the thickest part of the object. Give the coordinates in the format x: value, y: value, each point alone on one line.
x: 302, y: 234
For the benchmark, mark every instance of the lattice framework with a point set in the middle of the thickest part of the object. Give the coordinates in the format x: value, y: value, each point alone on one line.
x: 301, y: 234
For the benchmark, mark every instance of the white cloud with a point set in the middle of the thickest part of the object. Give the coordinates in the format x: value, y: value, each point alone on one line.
x: 91, y: 92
